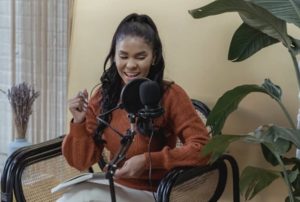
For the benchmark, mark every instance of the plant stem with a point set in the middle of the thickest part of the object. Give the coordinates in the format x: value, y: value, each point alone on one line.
x: 286, y: 179
x: 295, y: 62
x: 286, y: 114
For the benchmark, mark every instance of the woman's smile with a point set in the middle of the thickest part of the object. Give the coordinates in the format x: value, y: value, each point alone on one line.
x: 133, y: 58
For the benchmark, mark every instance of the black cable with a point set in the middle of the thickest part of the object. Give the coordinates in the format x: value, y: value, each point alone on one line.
x: 150, y: 161
x: 109, y: 111
x: 108, y: 125
x: 98, y: 84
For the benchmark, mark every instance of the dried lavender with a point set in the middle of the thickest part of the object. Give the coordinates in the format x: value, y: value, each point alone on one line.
x: 21, y: 98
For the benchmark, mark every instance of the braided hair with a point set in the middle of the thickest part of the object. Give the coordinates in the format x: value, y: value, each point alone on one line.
x: 134, y: 25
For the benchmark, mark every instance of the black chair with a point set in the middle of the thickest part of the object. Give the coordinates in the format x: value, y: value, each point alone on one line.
x: 196, y: 184
x: 31, y: 172
x: 205, y: 183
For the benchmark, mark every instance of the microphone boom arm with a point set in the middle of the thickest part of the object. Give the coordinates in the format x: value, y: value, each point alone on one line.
x: 125, y: 142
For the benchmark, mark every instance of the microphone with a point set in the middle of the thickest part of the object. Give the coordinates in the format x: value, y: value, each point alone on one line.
x: 150, y: 96
x: 130, y: 96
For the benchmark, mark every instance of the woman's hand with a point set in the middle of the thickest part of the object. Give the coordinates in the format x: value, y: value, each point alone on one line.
x: 78, y: 106
x: 132, y: 168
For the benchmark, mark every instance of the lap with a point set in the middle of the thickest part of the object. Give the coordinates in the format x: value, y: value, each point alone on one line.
x: 94, y: 192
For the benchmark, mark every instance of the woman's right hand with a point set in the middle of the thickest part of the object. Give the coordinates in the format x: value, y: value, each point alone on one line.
x: 78, y: 106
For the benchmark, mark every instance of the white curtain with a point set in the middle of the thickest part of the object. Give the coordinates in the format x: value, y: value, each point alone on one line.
x: 34, y: 42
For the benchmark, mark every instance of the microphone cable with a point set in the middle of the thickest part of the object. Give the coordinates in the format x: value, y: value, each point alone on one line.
x: 94, y: 87
x: 106, y: 123
x: 150, y: 161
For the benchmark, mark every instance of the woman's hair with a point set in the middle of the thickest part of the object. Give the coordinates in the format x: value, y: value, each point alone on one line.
x: 134, y: 25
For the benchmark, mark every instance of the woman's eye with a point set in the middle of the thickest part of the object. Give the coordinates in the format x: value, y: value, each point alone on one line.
x: 141, y: 57
x: 123, y: 57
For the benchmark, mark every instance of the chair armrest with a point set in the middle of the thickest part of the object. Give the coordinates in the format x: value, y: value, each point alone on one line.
x: 23, y: 157
x: 181, y: 182
x: 30, y: 172
x: 203, y: 182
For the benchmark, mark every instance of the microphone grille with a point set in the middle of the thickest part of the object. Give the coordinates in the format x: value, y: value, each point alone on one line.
x: 150, y: 93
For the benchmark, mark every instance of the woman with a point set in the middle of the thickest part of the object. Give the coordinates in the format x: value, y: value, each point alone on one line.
x: 136, y: 52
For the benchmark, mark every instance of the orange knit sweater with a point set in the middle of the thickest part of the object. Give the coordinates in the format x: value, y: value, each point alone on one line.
x: 179, y: 121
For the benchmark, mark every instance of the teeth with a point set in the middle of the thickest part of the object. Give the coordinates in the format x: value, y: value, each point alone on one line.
x: 131, y: 74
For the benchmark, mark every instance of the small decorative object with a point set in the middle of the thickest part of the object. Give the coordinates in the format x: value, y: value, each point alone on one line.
x: 21, y: 98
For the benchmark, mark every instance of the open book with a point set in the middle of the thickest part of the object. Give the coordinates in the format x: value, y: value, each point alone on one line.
x: 78, y: 179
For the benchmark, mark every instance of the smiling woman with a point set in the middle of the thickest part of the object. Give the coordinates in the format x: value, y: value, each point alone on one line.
x: 35, y: 38
x: 136, y: 52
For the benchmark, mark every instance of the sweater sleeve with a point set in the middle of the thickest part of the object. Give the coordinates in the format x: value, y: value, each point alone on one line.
x: 185, y: 124
x: 79, y: 148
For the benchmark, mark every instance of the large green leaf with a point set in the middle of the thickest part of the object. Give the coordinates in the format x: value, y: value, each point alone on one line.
x: 287, y: 10
x: 292, y: 175
x: 262, y: 20
x: 275, y: 141
x: 254, y: 180
x: 295, y: 46
x: 288, y: 134
x: 229, y: 102
x: 276, y: 138
x: 218, y: 7
x: 246, y: 41
x: 273, y: 89
x: 253, y: 15
x: 218, y: 145
x: 296, y: 198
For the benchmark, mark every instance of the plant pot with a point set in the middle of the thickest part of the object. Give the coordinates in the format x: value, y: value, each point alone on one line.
x: 16, y: 144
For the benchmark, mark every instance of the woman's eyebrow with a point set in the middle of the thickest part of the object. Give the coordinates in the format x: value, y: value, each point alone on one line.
x: 122, y: 52
x: 138, y: 53
x: 142, y: 53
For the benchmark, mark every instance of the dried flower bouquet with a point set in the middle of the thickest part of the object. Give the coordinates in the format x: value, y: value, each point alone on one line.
x: 21, y: 98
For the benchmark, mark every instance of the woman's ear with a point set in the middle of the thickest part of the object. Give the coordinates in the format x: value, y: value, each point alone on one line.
x: 153, y: 60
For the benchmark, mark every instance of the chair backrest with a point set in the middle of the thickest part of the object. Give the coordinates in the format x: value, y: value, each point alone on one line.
x: 31, y: 172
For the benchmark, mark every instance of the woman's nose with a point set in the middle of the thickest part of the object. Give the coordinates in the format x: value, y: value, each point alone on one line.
x: 131, y: 63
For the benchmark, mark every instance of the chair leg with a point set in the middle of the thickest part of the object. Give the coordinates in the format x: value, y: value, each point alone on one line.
x: 235, y: 177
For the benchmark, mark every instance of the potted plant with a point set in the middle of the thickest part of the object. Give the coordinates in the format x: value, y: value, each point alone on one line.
x: 264, y: 24
x: 21, y: 98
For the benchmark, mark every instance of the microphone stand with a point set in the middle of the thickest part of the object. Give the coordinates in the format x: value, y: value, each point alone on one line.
x: 125, y: 144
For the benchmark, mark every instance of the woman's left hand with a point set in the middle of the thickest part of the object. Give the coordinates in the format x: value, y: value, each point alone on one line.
x: 132, y: 168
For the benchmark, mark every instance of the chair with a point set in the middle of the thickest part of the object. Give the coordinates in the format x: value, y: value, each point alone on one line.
x: 196, y: 184
x: 31, y: 172
x: 205, y: 183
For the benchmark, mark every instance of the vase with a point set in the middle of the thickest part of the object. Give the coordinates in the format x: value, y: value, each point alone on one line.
x: 16, y: 144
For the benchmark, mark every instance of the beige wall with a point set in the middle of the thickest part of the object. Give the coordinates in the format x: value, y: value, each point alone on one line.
x: 196, y: 58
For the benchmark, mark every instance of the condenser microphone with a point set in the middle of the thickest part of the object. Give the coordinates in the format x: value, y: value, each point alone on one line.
x: 150, y: 97
x: 130, y: 96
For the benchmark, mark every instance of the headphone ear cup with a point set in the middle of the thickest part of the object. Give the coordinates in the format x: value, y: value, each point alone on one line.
x: 143, y: 126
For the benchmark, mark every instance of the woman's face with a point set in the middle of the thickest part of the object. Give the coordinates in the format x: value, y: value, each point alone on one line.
x: 133, y: 58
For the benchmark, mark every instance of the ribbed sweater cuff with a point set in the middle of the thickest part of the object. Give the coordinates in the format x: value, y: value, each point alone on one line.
x: 78, y: 130
x: 156, y: 161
